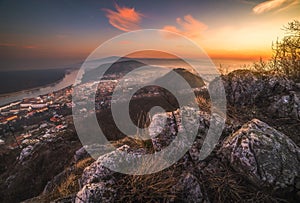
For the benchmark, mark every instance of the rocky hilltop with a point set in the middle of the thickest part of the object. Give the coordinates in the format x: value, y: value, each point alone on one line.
x: 257, y: 158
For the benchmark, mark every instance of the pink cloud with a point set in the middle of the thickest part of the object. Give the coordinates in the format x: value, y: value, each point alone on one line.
x: 125, y: 19
x: 273, y: 5
x: 188, y: 26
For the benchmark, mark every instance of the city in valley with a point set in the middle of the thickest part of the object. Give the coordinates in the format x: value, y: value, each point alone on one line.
x: 31, y: 120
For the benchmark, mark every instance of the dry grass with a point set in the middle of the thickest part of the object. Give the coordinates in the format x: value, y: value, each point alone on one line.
x: 203, y: 103
x: 134, y: 143
x: 82, y: 164
x: 70, y: 184
x: 157, y: 187
x: 225, y: 185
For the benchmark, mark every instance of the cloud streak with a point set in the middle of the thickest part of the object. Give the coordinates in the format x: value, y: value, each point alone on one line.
x: 189, y: 27
x: 7, y: 45
x: 124, y: 18
x: 273, y: 5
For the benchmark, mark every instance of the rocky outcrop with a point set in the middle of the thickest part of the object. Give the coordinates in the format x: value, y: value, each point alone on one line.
x: 100, y: 184
x: 163, y: 129
x: 97, y: 178
x: 276, y: 94
x: 265, y: 156
x: 247, y: 87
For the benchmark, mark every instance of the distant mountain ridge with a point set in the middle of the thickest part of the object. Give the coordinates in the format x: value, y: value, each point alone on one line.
x: 121, y: 66
x: 125, y: 65
x: 193, y: 80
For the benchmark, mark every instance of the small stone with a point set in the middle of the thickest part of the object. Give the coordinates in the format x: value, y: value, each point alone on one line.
x: 190, y: 188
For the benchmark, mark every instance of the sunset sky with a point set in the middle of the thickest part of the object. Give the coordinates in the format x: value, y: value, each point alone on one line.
x: 47, y: 34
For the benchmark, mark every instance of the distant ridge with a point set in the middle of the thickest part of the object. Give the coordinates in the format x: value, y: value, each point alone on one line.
x: 124, y: 65
x: 193, y: 80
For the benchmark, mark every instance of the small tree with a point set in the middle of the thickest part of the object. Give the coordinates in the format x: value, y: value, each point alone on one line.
x: 261, y: 66
x: 286, y: 52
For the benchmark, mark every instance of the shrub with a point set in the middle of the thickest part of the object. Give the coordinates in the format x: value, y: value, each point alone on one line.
x: 286, y: 52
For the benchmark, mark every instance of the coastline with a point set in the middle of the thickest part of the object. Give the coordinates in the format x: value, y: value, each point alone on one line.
x: 67, y: 80
x: 30, y: 90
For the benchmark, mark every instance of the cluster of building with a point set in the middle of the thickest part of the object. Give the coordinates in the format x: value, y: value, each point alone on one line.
x: 30, y: 106
x: 33, y: 119
x: 46, y: 130
x: 86, y: 93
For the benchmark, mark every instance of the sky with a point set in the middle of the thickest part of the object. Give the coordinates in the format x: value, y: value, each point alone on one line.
x: 47, y: 34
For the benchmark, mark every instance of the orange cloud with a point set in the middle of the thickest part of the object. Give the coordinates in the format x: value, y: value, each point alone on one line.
x: 125, y: 19
x: 189, y: 27
x: 273, y: 5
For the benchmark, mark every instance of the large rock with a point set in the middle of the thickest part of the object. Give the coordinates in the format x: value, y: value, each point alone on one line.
x: 98, y: 171
x: 163, y: 130
x: 97, y: 179
x: 97, y: 192
x: 164, y: 127
x: 265, y: 156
